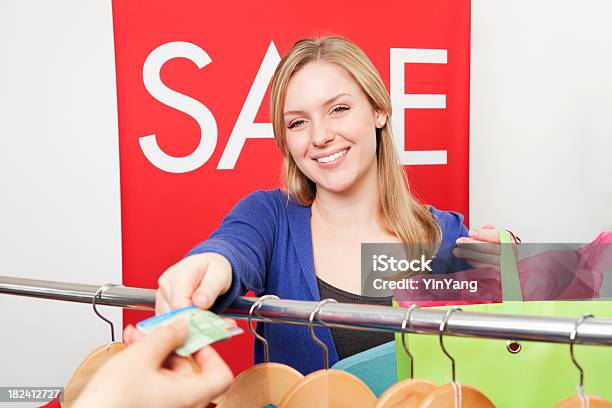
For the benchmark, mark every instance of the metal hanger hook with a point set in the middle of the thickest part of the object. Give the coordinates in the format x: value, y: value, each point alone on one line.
x: 573, y: 335
x: 313, y: 314
x: 99, y: 293
x: 449, y: 312
x: 406, y: 322
x: 253, y: 310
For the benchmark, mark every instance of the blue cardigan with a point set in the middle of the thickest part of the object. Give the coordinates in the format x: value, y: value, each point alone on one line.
x: 267, y: 240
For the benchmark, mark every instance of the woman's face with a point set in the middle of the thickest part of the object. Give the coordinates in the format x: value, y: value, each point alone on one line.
x: 330, y: 126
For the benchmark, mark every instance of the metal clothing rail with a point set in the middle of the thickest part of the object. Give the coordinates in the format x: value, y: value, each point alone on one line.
x: 592, y: 331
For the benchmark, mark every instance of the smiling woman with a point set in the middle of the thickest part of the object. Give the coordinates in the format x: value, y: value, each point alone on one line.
x: 342, y: 185
x: 331, y: 110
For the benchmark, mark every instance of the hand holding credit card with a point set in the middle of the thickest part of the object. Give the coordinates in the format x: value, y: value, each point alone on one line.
x: 205, y: 327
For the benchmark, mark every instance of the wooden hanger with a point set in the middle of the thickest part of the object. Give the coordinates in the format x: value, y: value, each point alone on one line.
x: 589, y: 402
x: 88, y: 367
x: 454, y: 395
x: 263, y: 384
x: 328, y: 388
x: 410, y: 392
x: 86, y: 370
x: 405, y: 394
x: 581, y: 400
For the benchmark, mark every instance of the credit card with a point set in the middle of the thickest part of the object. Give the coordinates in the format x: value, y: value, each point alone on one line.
x: 205, y: 327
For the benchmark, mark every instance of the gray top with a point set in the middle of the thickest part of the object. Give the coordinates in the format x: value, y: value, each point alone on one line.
x: 349, y: 342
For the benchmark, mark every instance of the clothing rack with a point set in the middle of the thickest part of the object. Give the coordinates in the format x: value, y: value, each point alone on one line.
x: 594, y: 331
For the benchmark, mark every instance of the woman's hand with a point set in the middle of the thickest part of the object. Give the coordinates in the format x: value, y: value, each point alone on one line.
x: 481, y: 249
x: 198, y: 279
x: 148, y: 374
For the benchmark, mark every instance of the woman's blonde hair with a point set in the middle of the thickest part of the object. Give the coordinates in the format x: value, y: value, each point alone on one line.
x: 409, y: 220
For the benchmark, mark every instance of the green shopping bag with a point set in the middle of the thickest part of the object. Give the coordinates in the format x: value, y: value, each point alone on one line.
x: 539, y: 375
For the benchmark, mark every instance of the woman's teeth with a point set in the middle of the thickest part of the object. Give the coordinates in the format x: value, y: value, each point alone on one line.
x: 332, y: 157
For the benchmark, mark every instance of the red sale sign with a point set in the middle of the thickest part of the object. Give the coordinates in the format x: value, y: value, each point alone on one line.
x: 194, y: 129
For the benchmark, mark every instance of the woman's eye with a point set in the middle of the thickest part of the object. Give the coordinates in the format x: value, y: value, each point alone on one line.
x: 340, y: 109
x: 294, y: 124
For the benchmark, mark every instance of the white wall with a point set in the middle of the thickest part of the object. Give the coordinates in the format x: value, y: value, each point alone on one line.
x: 541, y: 134
x: 59, y: 181
x: 541, y: 139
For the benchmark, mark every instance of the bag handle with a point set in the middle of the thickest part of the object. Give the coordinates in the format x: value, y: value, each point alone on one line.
x: 510, y: 281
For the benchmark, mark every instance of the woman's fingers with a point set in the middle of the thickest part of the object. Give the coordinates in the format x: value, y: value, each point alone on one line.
x: 197, y: 279
x: 182, y: 282
x: 480, y: 265
x: 216, y: 281
x: 485, y: 234
x: 479, y: 246
x: 175, y: 288
x: 177, y: 284
x: 161, y: 304
x: 477, y: 256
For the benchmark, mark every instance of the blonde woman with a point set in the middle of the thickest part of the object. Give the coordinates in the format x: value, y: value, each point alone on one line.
x: 342, y: 185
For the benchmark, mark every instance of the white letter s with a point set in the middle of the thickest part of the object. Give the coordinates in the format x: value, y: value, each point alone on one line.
x: 181, y: 102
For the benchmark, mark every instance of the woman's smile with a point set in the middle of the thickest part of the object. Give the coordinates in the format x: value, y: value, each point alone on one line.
x: 332, y: 159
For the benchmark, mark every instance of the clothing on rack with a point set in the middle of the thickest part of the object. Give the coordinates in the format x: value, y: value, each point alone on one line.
x: 267, y: 240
